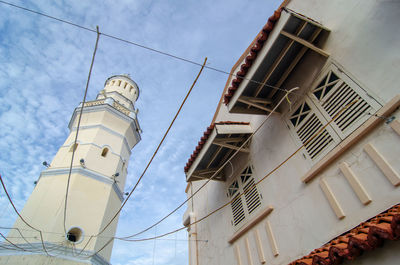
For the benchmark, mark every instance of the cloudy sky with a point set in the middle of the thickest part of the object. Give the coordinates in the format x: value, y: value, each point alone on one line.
x: 43, y: 71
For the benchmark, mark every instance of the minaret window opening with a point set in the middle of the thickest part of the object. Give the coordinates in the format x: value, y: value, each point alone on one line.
x: 74, y: 235
x: 126, y: 84
x: 104, y: 152
x: 73, y: 147
x: 119, y: 82
x: 112, y: 83
x: 130, y: 89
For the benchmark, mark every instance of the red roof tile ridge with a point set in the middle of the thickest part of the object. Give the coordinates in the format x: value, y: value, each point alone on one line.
x: 365, y: 237
x: 252, y: 53
x: 204, y: 139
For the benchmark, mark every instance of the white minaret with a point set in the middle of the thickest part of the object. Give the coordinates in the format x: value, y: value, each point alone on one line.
x: 109, y: 129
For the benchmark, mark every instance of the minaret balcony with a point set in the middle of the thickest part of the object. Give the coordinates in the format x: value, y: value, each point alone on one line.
x: 111, y: 102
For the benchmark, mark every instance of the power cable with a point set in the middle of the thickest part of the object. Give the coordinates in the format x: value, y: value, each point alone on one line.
x: 21, y: 235
x: 241, y: 194
x: 218, y: 170
x: 139, y: 45
x: 74, y: 147
x: 148, y: 164
x: 9, y: 241
x: 150, y: 161
x: 256, y: 183
x: 142, y: 46
x: 22, y: 219
x: 156, y: 151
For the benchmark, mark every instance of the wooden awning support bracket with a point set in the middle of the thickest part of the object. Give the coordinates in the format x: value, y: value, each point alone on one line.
x: 231, y: 146
x: 229, y: 140
x: 253, y: 104
x: 196, y: 177
x: 257, y: 100
x: 294, y: 63
x: 305, y: 43
x: 207, y: 174
x: 278, y: 60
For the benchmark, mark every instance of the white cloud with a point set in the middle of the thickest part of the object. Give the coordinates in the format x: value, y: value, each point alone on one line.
x: 44, y: 66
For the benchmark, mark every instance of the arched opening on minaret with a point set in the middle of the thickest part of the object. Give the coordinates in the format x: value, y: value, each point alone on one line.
x: 104, y: 152
x: 74, y: 235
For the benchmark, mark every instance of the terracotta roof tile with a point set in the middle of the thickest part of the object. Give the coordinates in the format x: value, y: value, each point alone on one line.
x: 365, y: 237
x: 204, y: 139
x: 253, y: 52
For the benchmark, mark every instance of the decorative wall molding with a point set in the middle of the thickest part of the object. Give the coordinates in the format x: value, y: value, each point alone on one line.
x: 133, y: 123
x: 260, y: 249
x: 258, y: 218
x: 383, y: 164
x: 84, y: 172
x: 271, y: 238
x: 60, y: 251
x: 332, y: 199
x: 237, y: 254
x: 355, y: 183
x: 353, y: 138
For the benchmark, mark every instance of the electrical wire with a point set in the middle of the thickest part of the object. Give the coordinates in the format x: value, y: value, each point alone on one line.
x: 148, y: 164
x: 22, y: 219
x: 153, y: 50
x: 218, y: 170
x: 21, y: 235
x: 255, y: 184
x: 150, y: 161
x: 241, y: 194
x: 74, y: 147
x: 142, y: 46
x: 9, y: 241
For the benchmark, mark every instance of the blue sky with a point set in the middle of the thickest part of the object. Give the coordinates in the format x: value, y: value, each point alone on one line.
x: 43, y: 71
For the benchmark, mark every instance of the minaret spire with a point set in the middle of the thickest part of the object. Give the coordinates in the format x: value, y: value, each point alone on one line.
x: 108, y: 131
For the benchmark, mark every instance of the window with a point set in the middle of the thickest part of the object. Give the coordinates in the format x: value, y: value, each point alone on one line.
x: 243, y: 206
x: 104, y: 152
x: 331, y: 91
x: 119, y: 82
x: 73, y: 147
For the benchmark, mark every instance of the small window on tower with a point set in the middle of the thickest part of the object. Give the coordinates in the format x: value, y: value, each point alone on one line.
x: 104, y: 152
x: 125, y: 84
x: 73, y: 147
x: 112, y: 83
x: 130, y: 89
x: 119, y: 82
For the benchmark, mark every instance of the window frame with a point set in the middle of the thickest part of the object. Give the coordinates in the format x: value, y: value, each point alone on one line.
x: 317, y: 107
x: 245, y: 201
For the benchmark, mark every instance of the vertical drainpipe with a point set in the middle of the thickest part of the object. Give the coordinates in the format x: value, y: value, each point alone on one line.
x: 193, y: 243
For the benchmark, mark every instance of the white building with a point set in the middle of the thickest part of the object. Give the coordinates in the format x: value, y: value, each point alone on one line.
x: 108, y: 131
x: 314, y: 205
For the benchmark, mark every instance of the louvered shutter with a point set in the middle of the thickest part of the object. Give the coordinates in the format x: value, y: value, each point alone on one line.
x: 307, y: 125
x: 335, y: 90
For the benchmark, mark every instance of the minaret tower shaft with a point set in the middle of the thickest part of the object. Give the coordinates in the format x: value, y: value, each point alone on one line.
x: 108, y: 131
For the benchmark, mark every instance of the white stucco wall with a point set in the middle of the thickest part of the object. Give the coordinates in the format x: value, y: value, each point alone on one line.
x: 363, y: 41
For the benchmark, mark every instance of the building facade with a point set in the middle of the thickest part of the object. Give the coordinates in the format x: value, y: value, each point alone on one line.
x: 108, y: 131
x: 309, y: 176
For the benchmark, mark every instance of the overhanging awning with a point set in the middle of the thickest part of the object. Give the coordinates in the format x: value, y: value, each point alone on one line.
x: 216, y: 146
x: 279, y: 47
